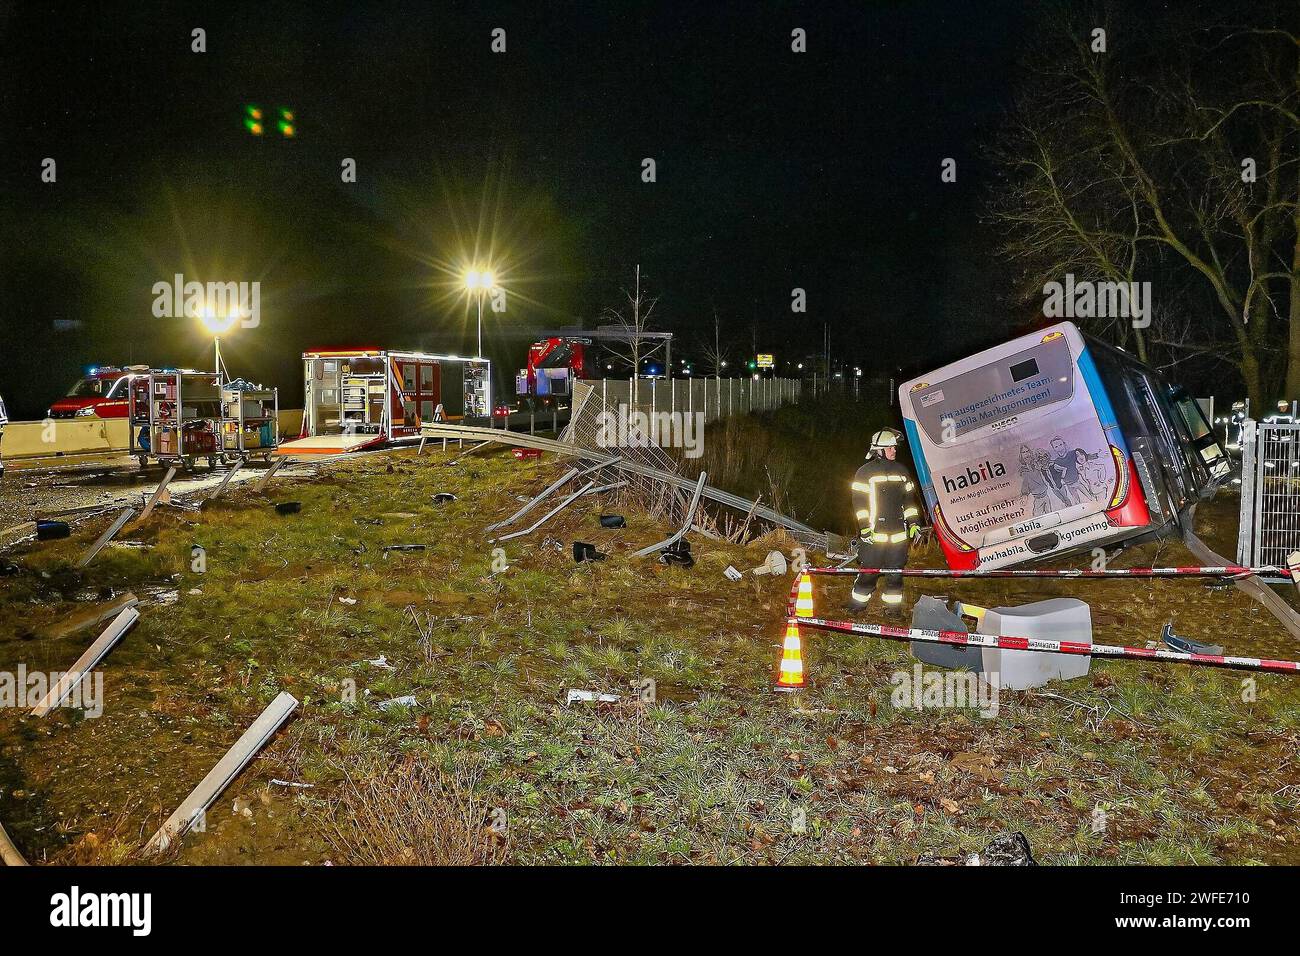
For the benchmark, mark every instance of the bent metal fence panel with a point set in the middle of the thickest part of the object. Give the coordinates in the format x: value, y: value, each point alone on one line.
x: 1270, y: 493
x: 600, y: 406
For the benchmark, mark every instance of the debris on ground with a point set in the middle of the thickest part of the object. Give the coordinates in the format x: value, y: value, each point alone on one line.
x: 679, y: 554
x: 582, y: 551
x: 52, y: 530
x: 1005, y: 849
x: 774, y: 565
x: 590, y: 696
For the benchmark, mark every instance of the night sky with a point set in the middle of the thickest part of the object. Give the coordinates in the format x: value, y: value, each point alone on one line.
x: 775, y: 170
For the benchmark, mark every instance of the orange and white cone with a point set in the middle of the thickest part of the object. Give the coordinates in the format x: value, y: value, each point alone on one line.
x: 803, y: 604
x: 790, y: 676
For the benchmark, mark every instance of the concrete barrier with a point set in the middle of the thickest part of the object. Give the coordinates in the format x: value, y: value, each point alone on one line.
x: 64, y: 436
x: 82, y: 436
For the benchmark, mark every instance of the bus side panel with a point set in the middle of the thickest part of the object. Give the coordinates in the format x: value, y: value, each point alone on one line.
x: 1128, y: 509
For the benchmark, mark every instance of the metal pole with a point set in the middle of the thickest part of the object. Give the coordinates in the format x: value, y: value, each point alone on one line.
x: 480, y: 328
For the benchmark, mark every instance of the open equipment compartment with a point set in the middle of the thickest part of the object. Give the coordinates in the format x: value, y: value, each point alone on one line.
x: 175, y: 417
x: 250, y: 420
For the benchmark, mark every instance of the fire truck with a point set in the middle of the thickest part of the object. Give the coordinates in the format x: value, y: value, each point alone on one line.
x: 554, y: 364
x: 102, y: 393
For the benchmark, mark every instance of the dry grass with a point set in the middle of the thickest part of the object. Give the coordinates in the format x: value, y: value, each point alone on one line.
x: 414, y: 813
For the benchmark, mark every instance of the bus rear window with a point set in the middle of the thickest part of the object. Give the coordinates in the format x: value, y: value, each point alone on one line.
x: 1036, y: 378
x: 1024, y: 370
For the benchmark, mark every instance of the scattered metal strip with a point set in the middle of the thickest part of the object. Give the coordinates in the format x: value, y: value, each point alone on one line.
x: 106, y: 537
x: 564, y: 479
x: 239, y: 463
x: 90, y: 618
x: 220, y: 776
x: 686, y: 526
x: 586, y: 489
x: 8, y: 852
x: 533, y: 502
x: 276, y: 465
x: 87, y: 662
x: 158, y: 493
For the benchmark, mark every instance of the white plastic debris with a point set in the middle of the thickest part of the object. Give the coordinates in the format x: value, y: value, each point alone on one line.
x: 407, y: 701
x: 590, y: 696
x: 775, y: 564
x: 732, y: 574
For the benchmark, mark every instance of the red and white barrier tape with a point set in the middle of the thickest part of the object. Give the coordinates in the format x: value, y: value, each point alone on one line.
x: 1230, y: 571
x: 1008, y: 643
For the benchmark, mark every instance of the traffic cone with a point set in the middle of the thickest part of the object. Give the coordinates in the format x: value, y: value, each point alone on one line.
x: 789, y: 676
x: 803, y: 604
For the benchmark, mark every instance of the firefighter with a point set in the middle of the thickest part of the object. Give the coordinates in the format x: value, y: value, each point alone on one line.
x: 884, y: 500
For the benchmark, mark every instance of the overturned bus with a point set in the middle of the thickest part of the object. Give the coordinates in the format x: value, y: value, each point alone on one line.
x: 1054, y: 443
x: 359, y: 398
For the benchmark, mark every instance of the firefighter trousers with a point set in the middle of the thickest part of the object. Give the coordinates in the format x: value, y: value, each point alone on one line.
x: 889, y: 555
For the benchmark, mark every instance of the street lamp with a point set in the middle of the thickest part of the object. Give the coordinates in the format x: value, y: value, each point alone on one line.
x: 479, y: 283
x: 218, y: 325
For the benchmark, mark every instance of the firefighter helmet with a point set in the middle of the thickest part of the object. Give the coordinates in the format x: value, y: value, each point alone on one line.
x: 885, y: 438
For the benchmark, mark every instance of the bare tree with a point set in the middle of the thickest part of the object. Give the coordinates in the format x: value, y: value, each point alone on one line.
x: 715, y: 353
x: 631, y: 323
x: 1172, y: 157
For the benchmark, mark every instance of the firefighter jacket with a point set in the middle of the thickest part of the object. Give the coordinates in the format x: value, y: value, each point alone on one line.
x: 884, y: 500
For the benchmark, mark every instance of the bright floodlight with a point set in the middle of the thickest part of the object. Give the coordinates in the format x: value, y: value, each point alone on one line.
x: 471, y: 279
x: 486, y: 280
x: 217, y: 324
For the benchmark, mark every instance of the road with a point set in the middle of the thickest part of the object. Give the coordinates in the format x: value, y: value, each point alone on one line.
x: 67, y: 487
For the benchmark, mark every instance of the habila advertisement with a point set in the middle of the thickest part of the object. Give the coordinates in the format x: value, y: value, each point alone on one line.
x: 1007, y: 478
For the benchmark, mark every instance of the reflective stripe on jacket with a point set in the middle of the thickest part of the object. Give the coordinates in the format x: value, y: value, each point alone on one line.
x: 884, y: 499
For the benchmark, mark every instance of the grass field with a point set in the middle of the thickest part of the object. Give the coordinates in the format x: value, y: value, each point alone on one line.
x: 1135, y: 763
